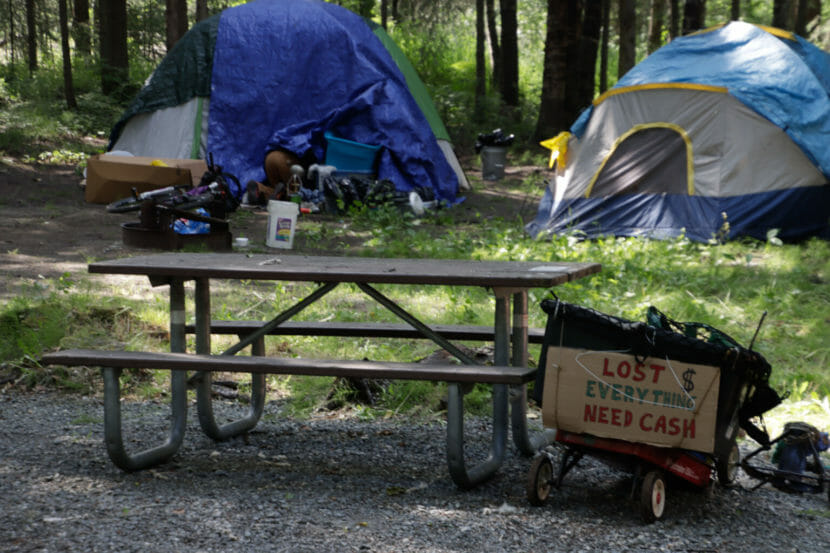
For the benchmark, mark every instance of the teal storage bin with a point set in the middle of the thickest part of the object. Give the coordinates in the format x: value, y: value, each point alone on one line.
x: 349, y: 156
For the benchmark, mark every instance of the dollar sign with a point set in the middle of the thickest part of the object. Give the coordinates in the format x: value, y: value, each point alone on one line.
x: 688, y: 385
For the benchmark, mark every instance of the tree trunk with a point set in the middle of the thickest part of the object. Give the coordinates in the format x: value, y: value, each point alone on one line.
x: 11, y: 36
x: 628, y: 36
x: 655, y: 25
x: 481, y: 73
x: 81, y: 30
x: 586, y: 60
x: 68, y: 85
x: 201, y: 10
x: 603, y: 56
x: 175, y: 15
x: 31, y: 36
x: 113, y: 38
x: 801, y: 17
x: 694, y: 16
x: 384, y: 14
x: 495, y: 44
x: 735, y: 14
x: 552, y: 118
x: 674, y: 23
x: 780, y: 14
x: 509, y: 53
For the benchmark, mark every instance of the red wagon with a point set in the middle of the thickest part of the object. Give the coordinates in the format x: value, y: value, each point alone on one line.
x: 660, y: 400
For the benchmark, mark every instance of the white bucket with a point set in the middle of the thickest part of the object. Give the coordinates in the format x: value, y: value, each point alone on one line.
x: 282, y: 221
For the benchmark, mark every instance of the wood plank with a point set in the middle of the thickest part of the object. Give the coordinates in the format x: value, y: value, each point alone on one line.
x: 445, y: 372
x: 357, y: 329
x: 292, y: 267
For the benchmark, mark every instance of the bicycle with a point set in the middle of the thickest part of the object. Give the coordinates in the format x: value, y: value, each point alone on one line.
x: 213, y: 187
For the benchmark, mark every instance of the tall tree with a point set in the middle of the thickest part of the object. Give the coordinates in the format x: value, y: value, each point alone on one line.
x: 781, y: 10
x: 583, y: 65
x: 552, y: 117
x: 800, y: 26
x: 806, y: 11
x: 509, y: 53
x: 735, y: 12
x: 384, y: 14
x: 175, y: 15
x: 674, y: 19
x: 603, y: 49
x: 202, y: 10
x: 68, y: 85
x: 495, y: 41
x: 628, y: 36
x: 31, y: 35
x: 694, y: 16
x: 11, y: 36
x: 113, y: 39
x: 655, y: 25
x: 481, y: 74
x: 80, y: 27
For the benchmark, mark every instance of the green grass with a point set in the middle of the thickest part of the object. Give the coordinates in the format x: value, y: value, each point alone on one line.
x: 728, y: 286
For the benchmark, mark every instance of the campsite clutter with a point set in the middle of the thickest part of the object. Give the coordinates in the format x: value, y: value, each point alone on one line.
x: 687, y: 145
x: 175, y: 213
x: 663, y: 400
x: 346, y: 178
x: 172, y: 217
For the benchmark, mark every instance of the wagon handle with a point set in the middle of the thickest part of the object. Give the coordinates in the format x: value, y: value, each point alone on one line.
x: 758, y: 329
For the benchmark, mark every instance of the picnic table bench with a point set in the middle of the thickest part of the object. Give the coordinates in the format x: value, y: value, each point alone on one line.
x: 508, y: 376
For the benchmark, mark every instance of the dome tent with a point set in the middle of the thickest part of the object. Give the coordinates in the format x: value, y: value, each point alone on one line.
x: 723, y: 129
x: 279, y: 74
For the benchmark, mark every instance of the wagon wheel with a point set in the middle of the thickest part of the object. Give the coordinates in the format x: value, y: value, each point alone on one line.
x: 539, y: 480
x: 727, y: 467
x: 653, y: 496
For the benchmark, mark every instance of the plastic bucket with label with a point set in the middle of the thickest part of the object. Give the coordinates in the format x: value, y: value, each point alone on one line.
x: 282, y: 223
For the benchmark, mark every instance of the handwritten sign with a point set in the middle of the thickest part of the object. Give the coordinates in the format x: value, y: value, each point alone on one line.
x: 617, y: 395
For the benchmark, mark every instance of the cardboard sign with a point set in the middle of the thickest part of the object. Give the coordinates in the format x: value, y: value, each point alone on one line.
x: 111, y: 177
x: 615, y: 395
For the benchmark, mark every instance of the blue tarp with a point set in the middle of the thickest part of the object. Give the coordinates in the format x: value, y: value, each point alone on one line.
x: 315, y: 67
x: 787, y: 80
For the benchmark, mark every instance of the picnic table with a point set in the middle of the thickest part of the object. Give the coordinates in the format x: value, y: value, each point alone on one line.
x: 509, y: 282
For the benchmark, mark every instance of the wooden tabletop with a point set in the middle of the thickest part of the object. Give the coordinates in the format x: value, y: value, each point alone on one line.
x: 277, y: 266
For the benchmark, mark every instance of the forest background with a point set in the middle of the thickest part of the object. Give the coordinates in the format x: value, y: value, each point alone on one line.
x: 68, y: 68
x: 531, y: 65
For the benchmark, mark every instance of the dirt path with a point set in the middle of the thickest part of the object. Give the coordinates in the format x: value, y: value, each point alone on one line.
x: 47, y: 229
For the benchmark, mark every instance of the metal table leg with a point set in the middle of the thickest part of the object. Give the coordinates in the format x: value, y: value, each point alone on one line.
x: 178, y: 400
x: 462, y: 476
x: 468, y: 478
x: 528, y: 445
x: 204, y: 401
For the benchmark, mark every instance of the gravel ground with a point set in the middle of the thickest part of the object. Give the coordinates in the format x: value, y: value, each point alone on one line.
x: 341, y: 484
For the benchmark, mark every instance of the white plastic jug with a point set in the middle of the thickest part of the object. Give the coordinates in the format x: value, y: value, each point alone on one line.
x: 282, y: 222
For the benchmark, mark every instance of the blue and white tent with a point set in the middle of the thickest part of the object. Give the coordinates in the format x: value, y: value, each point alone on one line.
x: 272, y: 74
x: 724, y: 132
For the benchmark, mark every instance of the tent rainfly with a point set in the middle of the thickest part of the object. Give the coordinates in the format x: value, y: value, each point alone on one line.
x: 279, y: 74
x: 720, y: 134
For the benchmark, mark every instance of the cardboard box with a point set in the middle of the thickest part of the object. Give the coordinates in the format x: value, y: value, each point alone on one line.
x: 110, y: 178
x: 615, y: 395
